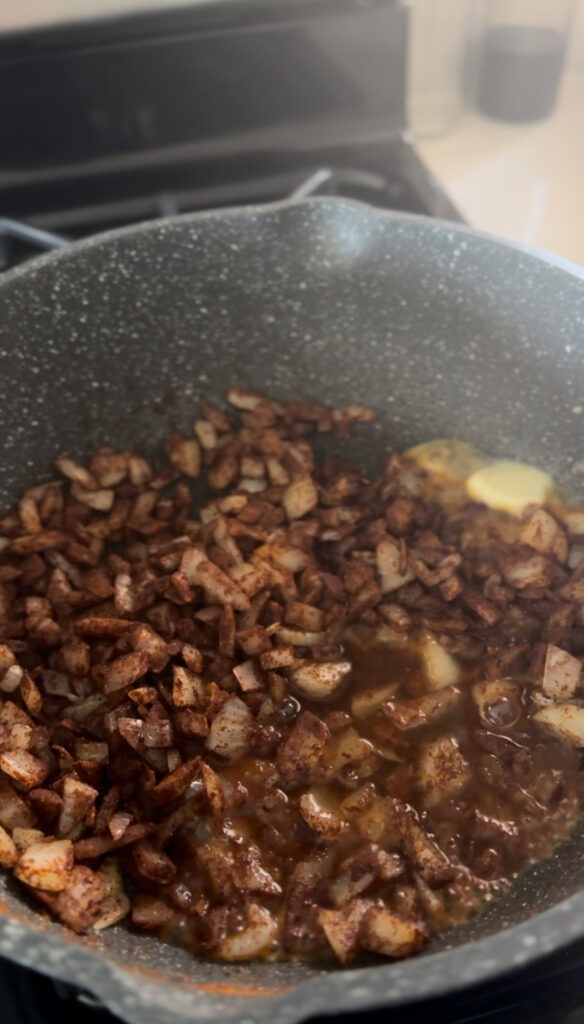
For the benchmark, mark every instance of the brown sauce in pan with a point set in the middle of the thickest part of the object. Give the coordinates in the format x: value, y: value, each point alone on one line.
x: 321, y: 715
x: 521, y: 799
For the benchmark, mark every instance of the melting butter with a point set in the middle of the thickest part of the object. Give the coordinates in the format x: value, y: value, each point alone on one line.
x: 452, y: 460
x: 509, y: 486
x: 500, y: 484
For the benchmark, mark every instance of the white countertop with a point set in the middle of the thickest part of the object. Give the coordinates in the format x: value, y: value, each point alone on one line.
x: 525, y: 182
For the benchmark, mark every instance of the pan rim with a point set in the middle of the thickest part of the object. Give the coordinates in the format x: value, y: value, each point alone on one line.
x: 235, y: 212
x: 133, y: 997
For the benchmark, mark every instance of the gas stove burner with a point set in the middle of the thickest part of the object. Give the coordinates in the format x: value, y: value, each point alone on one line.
x: 31, y: 239
x: 405, y: 185
x: 322, y: 182
x: 328, y: 181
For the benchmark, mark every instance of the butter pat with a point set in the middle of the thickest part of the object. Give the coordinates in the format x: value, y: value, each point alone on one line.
x: 509, y: 486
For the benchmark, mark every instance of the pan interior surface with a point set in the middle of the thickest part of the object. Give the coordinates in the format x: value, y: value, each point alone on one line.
x: 445, y: 333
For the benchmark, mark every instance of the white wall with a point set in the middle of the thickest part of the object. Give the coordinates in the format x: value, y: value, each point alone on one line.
x: 576, y: 52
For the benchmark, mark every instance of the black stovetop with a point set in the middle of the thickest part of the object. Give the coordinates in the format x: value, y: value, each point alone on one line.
x: 549, y: 992
x: 388, y: 174
x: 213, y: 105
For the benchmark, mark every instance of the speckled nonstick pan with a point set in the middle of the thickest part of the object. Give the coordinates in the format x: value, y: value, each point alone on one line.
x: 445, y: 331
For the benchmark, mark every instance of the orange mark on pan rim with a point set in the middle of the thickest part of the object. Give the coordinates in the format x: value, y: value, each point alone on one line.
x: 228, y: 989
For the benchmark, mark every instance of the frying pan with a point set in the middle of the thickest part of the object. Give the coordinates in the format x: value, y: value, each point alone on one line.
x: 444, y: 331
